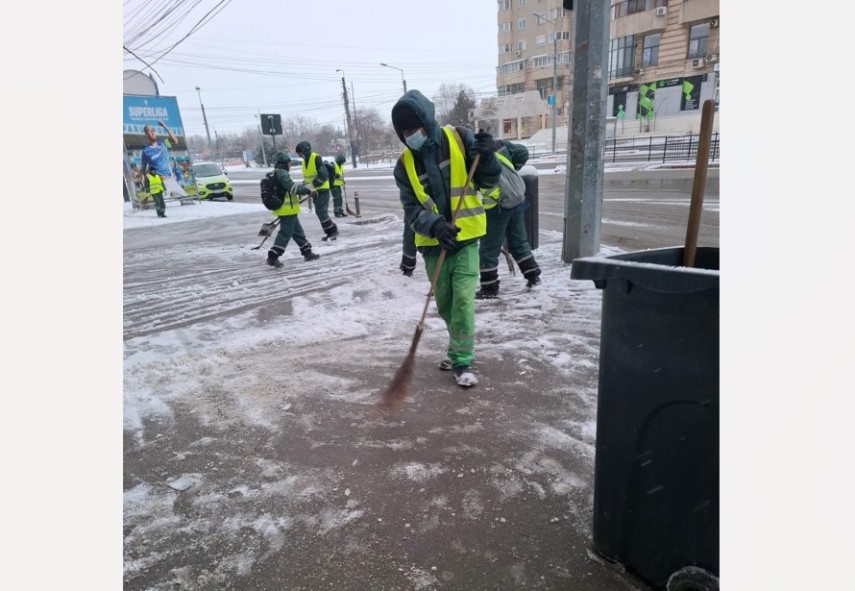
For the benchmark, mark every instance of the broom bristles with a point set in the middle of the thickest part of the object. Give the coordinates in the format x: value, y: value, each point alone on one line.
x: 396, y: 393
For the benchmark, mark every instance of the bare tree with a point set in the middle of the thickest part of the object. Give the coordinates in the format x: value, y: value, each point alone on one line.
x: 446, y: 97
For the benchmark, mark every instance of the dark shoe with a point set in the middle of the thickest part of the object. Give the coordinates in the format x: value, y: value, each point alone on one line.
x: 311, y: 256
x: 488, y: 291
x: 464, y: 376
x: 445, y: 364
x: 532, y: 281
x: 161, y: 215
x: 332, y: 236
x: 273, y: 261
x: 340, y: 214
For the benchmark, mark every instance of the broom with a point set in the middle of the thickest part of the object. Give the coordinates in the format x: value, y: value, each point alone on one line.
x: 397, y: 390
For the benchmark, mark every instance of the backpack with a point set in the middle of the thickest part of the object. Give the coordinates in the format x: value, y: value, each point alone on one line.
x: 511, y: 186
x: 270, y: 197
x: 331, y: 170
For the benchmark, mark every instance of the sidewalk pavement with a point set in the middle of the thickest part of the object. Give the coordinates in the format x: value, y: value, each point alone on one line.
x: 253, y: 459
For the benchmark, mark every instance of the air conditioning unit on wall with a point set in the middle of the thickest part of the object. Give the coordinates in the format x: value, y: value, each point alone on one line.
x: 713, y: 57
x: 661, y: 10
x: 713, y: 23
x: 698, y: 63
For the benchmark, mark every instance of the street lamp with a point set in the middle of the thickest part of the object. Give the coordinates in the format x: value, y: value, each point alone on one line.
x: 554, y: 73
x: 205, y: 119
x: 402, y: 75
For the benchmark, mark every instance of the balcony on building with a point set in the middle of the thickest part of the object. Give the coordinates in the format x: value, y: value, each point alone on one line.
x: 636, y: 17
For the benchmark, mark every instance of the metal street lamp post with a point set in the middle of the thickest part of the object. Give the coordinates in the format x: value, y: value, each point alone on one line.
x: 402, y: 75
x: 554, y: 73
x: 205, y: 119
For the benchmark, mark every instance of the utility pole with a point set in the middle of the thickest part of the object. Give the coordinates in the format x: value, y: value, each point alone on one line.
x: 347, y: 115
x: 554, y: 85
x: 205, y: 119
x: 583, y: 195
x: 357, y: 147
x: 554, y: 72
x: 261, y: 135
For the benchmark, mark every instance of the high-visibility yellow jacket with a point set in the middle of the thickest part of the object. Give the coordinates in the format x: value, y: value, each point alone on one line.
x: 155, y: 184
x: 310, y: 172
x: 471, y: 218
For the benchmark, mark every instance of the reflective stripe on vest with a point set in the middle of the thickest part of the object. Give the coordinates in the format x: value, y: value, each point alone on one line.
x: 471, y: 219
x: 310, y: 173
x: 339, y: 178
x: 291, y: 205
x: 491, y: 198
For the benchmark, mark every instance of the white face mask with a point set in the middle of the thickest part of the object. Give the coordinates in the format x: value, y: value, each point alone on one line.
x: 416, y: 140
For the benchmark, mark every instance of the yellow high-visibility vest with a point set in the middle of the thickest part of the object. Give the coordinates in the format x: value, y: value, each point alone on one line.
x: 472, y: 220
x: 310, y: 173
x: 491, y: 198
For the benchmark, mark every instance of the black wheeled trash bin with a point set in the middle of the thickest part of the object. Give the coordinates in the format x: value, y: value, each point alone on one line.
x: 532, y: 227
x: 656, y: 470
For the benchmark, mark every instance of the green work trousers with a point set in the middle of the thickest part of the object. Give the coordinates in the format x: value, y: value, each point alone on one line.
x: 336, y: 198
x: 455, y: 300
x: 159, y: 204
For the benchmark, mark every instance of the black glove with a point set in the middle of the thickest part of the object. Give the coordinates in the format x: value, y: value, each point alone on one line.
x: 408, y: 265
x: 447, y: 235
x: 483, y: 144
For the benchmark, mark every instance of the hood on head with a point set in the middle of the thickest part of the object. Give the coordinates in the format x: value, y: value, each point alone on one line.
x: 304, y: 147
x: 283, y: 160
x: 340, y: 158
x: 411, y: 108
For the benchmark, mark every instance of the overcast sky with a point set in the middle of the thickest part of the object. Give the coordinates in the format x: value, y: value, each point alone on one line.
x: 282, y: 57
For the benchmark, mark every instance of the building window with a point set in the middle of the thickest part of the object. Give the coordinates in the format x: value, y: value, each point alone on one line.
x: 541, y: 61
x: 540, y: 40
x: 543, y: 86
x: 698, y: 36
x: 505, y: 27
x: 521, y: 3
x: 506, y: 4
x: 650, y: 50
x: 521, y: 24
x: 510, y: 67
x: 521, y: 45
x: 564, y: 57
x: 622, y: 56
x: 511, y: 89
x: 505, y: 48
x: 559, y: 35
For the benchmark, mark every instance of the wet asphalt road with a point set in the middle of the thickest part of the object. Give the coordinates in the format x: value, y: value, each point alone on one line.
x: 642, y: 209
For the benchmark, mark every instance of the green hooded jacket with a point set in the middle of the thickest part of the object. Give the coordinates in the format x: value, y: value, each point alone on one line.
x: 434, y: 178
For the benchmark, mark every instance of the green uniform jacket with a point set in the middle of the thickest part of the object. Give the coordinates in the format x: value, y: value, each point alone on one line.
x: 431, y: 162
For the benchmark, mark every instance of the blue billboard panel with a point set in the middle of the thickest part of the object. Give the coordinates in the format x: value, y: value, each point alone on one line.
x: 139, y: 111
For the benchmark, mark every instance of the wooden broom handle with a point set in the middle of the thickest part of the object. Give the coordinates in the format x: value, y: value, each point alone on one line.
x: 700, y: 181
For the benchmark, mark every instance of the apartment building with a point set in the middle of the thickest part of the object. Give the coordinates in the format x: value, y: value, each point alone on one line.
x: 663, y: 64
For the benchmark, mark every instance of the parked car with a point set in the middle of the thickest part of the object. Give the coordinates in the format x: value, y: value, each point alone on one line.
x: 212, y: 181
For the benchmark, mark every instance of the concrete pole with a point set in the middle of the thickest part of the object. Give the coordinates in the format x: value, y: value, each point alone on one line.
x: 554, y: 83
x: 205, y: 119
x: 583, y: 197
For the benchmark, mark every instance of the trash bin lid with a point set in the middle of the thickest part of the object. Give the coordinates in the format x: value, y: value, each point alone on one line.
x: 658, y: 270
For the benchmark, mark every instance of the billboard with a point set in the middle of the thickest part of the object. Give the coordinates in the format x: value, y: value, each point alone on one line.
x: 139, y: 111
